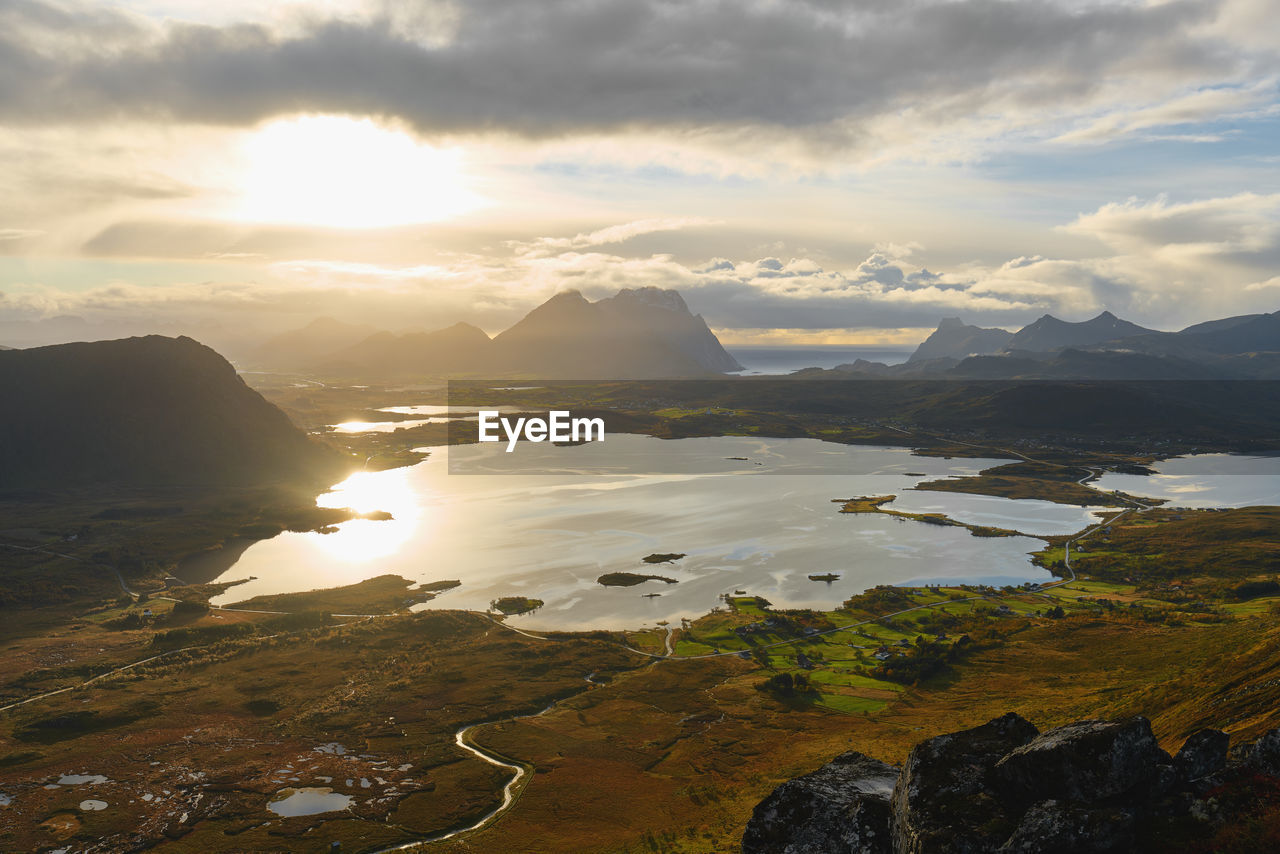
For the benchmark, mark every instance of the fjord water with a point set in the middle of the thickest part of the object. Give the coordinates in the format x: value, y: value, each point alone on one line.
x: 1206, y: 480
x: 760, y: 524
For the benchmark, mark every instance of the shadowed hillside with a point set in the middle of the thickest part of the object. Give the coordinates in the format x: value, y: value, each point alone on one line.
x: 151, y: 410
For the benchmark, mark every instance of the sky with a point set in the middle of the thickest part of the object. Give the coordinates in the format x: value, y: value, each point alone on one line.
x: 802, y: 171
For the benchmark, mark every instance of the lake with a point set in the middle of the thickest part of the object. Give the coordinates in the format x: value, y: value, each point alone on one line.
x: 1206, y: 480
x: 761, y: 524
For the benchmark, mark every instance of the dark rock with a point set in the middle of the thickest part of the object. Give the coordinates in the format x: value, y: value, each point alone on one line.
x: 842, y: 808
x: 943, y: 800
x: 1054, y: 827
x: 1263, y: 756
x: 1203, y: 753
x: 1091, y: 762
x: 1090, y: 786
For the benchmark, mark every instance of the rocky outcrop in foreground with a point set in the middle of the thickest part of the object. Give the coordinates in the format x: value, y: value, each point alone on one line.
x: 1089, y: 786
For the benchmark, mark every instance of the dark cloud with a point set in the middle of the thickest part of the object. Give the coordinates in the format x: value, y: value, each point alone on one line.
x: 548, y: 67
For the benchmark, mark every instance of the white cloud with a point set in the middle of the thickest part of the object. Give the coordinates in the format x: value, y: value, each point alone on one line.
x: 1201, y: 105
x: 544, y: 246
x: 1243, y: 223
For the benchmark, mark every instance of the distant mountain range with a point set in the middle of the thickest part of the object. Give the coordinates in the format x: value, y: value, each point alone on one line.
x: 144, y: 411
x: 637, y: 333
x: 318, y: 339
x: 1104, y: 347
x: 1049, y: 333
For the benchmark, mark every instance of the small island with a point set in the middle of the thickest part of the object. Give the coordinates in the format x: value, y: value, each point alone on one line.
x: 875, y: 504
x: 826, y: 576
x: 381, y: 595
x: 662, y: 557
x: 630, y: 579
x: 513, y: 605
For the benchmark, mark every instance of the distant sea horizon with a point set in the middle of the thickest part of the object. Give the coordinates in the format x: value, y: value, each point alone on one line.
x: 784, y: 360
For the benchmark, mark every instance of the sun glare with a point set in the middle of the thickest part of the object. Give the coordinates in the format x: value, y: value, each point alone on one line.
x: 341, y: 172
x: 361, y: 540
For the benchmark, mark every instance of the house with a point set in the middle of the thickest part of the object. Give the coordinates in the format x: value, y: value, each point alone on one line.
x: 1004, y: 609
x: 882, y: 654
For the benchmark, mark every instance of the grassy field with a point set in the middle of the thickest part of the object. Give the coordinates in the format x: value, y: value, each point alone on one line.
x: 688, y: 745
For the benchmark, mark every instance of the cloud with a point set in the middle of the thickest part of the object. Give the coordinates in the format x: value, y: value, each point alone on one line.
x: 605, y: 236
x: 7, y: 234
x: 1163, y: 264
x: 1185, y: 108
x: 1246, y: 223
x: 549, y: 68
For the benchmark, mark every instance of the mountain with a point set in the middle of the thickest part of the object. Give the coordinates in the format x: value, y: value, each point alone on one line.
x: 663, y: 314
x: 1049, y: 333
x: 2, y: 347
x: 640, y: 333
x: 1228, y: 342
x: 151, y: 410
x: 1219, y: 325
x: 956, y: 340
x: 637, y: 333
x: 461, y: 348
x: 302, y: 347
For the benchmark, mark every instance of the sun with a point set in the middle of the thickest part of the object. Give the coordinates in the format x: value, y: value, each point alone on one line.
x: 342, y: 172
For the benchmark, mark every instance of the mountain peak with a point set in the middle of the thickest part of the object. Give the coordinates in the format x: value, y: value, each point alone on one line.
x: 637, y: 332
x: 954, y: 339
x: 1049, y: 333
x: 650, y: 296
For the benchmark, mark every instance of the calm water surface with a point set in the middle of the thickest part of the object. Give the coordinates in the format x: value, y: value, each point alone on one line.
x: 751, y: 514
x: 1206, y: 480
x: 761, y: 524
